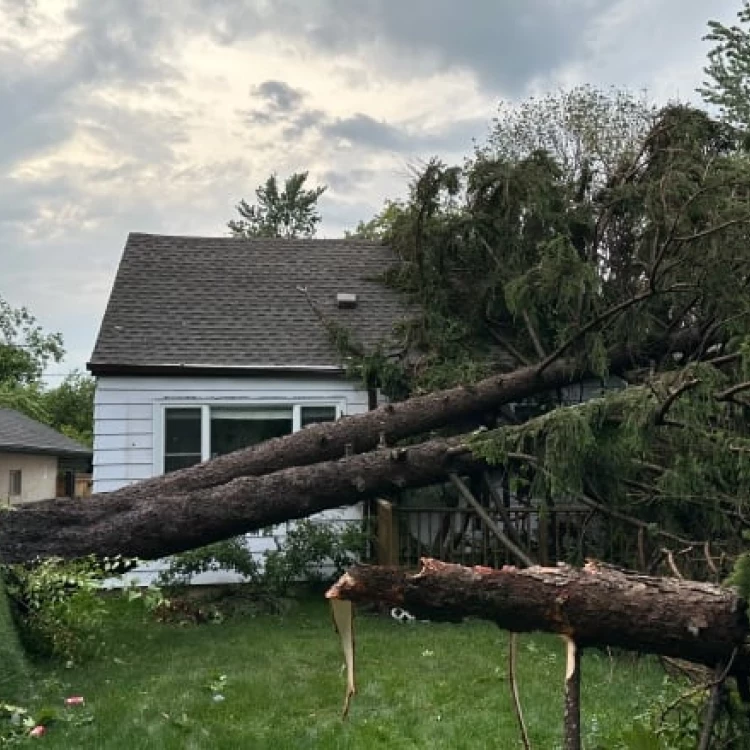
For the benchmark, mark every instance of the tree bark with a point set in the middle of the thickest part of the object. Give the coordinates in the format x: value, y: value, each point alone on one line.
x: 393, y: 422
x: 596, y: 606
x: 282, y: 479
x: 162, y: 524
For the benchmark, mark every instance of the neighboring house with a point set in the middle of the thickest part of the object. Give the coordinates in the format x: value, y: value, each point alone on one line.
x: 211, y: 344
x: 31, y: 454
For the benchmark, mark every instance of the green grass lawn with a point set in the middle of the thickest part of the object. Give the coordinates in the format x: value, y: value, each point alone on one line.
x: 420, y: 686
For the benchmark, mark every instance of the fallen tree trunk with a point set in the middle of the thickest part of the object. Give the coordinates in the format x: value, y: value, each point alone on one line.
x: 163, y: 524
x: 595, y: 606
x: 281, y: 479
x: 393, y: 422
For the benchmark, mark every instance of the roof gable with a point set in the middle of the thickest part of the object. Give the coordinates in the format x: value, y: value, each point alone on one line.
x: 21, y: 434
x: 221, y: 302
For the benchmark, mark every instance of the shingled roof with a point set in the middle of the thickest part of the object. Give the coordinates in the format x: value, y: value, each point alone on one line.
x: 21, y: 434
x: 208, y: 303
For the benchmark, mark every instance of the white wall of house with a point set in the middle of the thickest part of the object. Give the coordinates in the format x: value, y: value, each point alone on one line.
x: 38, y: 477
x: 129, y: 423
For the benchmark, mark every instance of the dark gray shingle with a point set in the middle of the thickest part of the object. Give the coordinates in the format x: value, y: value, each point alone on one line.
x: 225, y: 302
x: 21, y: 434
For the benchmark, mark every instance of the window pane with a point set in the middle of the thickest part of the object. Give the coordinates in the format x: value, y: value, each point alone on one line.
x: 235, y: 428
x: 15, y: 482
x: 182, y: 438
x: 182, y: 431
x: 312, y: 414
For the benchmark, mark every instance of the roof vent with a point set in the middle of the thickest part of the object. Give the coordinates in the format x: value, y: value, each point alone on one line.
x: 346, y: 301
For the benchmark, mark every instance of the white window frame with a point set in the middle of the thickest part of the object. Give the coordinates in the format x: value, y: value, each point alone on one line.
x: 205, y: 406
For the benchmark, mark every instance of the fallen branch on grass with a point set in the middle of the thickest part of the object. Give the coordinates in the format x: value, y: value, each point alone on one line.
x: 596, y: 606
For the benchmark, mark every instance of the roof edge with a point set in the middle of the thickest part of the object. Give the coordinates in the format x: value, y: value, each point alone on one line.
x: 46, y: 451
x: 263, y: 240
x: 97, y: 369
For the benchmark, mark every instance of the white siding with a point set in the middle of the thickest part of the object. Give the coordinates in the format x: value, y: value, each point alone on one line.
x: 128, y: 425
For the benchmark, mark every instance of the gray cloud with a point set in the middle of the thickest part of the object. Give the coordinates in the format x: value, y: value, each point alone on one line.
x: 506, y: 44
x: 114, y: 43
x: 347, y: 181
x: 280, y: 103
x: 279, y: 96
x: 364, y: 130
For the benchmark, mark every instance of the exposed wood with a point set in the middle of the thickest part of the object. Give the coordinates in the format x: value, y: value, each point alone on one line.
x: 572, y: 720
x: 513, y: 681
x: 597, y: 605
x: 343, y: 621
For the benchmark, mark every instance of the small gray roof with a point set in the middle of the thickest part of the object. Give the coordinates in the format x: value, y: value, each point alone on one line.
x: 221, y: 302
x: 21, y: 434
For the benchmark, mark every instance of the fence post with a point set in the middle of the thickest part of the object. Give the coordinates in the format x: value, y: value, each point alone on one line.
x: 543, y: 535
x: 388, y: 542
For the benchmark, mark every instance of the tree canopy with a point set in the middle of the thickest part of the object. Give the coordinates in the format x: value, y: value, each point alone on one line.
x: 291, y: 212
x: 25, y: 352
x: 25, y: 348
x: 587, y: 222
x: 728, y: 69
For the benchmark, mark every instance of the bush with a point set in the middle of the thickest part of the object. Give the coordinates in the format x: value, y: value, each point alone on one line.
x: 58, y: 603
x: 14, y: 675
x: 311, y: 551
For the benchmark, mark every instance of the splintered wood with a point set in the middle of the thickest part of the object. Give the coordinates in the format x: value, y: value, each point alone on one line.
x: 343, y: 621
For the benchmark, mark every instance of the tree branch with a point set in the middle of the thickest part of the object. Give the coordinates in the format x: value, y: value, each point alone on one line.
x: 491, y: 525
x: 591, y: 325
x: 674, y: 394
x: 533, y: 335
x: 729, y: 393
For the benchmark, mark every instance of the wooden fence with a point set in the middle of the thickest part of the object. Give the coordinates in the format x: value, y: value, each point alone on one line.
x: 70, y: 484
x: 566, y: 532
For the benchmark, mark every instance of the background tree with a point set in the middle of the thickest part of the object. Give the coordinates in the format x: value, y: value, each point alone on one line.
x: 381, y: 226
x: 69, y: 407
x: 25, y: 352
x: 289, y: 213
x: 728, y: 69
x: 25, y: 349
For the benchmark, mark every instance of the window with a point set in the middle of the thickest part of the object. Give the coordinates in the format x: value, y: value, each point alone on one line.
x: 311, y: 414
x: 196, y: 433
x: 182, y: 438
x: 233, y: 428
x: 14, y: 485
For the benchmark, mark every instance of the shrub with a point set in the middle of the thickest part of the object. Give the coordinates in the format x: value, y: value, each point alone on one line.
x: 14, y: 676
x: 311, y: 551
x: 58, y: 603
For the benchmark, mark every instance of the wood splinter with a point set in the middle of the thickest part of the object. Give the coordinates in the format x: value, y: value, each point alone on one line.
x: 572, y: 695
x: 343, y: 622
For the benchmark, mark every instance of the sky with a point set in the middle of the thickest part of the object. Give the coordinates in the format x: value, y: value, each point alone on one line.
x: 147, y: 116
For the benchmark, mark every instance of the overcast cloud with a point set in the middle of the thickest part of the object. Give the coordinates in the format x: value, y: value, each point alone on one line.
x: 135, y: 115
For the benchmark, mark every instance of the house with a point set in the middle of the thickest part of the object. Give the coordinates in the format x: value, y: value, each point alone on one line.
x: 31, y: 455
x: 212, y: 344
